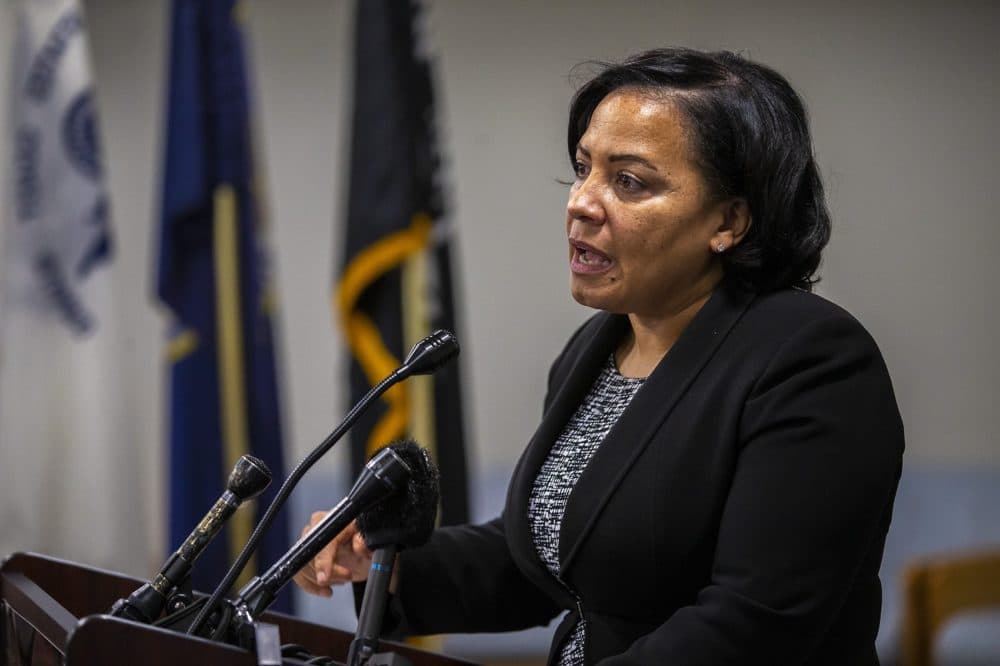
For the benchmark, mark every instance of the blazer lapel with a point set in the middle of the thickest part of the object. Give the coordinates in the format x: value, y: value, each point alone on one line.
x: 584, y: 360
x: 649, y: 408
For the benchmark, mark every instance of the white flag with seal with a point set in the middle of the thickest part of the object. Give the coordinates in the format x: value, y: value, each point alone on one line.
x: 69, y: 458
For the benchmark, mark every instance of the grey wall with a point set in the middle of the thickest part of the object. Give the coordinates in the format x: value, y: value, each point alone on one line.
x: 902, y: 97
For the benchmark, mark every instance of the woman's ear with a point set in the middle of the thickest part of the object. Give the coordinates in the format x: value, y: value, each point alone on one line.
x: 735, y: 224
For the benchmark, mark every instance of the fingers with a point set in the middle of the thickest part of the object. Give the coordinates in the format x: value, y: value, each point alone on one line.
x: 334, y: 564
x: 309, y: 578
x: 355, y: 556
x: 359, y: 548
x: 312, y: 587
x: 306, y: 579
x: 344, y: 559
x: 322, y: 564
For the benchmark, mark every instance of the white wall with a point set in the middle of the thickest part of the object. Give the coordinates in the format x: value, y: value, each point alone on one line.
x: 903, y: 103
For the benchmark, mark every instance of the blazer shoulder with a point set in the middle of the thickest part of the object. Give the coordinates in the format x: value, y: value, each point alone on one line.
x: 796, y: 302
x: 794, y: 332
x: 784, y: 313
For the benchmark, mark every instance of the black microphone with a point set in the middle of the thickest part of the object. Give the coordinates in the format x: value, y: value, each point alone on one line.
x: 386, y: 473
x: 249, y: 478
x: 425, y: 357
x: 431, y: 353
x: 403, y: 520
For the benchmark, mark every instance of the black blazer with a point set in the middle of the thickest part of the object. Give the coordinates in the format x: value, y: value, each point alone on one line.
x: 735, y: 514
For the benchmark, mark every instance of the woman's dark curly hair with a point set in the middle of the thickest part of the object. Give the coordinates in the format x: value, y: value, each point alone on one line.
x: 751, y: 139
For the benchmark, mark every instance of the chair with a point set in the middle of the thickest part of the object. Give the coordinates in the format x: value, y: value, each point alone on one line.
x: 937, y: 588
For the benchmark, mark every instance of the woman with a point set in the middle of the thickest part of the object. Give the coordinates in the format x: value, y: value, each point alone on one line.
x: 713, y: 476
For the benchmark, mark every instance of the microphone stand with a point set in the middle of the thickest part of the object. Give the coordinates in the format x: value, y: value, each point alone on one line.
x: 171, y: 588
x: 365, y: 642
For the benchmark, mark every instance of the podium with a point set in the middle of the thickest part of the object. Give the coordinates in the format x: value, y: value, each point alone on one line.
x: 52, y: 612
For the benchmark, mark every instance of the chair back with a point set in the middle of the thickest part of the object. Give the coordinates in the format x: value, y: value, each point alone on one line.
x: 937, y: 588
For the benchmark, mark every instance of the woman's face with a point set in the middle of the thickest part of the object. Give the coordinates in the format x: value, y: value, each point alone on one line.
x: 642, y: 226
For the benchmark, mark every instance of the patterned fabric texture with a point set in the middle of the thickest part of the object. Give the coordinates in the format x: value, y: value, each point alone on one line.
x: 572, y: 451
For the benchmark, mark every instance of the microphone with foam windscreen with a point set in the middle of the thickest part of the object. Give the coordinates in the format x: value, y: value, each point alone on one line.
x: 403, y: 520
x: 425, y: 357
x: 249, y: 477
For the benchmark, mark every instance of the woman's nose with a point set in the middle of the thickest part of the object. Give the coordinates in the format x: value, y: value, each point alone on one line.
x: 585, y: 202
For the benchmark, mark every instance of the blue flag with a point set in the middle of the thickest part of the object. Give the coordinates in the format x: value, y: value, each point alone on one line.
x: 214, y: 278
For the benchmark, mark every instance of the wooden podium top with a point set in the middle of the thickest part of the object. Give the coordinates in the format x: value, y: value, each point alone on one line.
x: 54, y: 613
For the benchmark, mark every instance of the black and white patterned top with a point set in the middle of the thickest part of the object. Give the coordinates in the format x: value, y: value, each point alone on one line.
x: 589, y: 425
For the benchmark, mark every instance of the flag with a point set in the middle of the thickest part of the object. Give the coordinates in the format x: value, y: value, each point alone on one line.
x: 395, y: 285
x: 214, y: 278
x: 68, y: 442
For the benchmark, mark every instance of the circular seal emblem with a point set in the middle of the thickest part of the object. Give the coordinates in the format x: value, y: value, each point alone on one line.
x: 79, y: 133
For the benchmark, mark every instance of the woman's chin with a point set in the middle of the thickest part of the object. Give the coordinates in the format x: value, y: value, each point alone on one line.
x: 592, y: 298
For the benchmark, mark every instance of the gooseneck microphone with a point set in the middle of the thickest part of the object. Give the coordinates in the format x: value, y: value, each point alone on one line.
x: 249, y: 478
x: 425, y: 357
x: 403, y: 520
x: 429, y: 354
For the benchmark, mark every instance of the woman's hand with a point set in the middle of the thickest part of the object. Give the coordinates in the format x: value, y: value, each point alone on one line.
x: 345, y: 559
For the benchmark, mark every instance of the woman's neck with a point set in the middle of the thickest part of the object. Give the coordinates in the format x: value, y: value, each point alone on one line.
x: 652, y: 336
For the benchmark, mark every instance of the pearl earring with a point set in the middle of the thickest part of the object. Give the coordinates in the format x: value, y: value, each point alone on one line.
x: 721, y: 247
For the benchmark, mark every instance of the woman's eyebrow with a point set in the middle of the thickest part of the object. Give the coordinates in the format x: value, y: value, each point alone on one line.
x: 629, y: 157
x: 620, y: 157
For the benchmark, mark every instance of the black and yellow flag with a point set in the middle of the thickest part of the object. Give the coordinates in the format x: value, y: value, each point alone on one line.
x: 395, y: 286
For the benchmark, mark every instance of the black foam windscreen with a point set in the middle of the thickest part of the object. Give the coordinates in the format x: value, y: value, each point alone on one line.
x: 405, y: 518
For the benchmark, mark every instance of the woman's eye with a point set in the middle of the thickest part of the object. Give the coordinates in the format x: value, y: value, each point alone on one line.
x: 579, y: 169
x: 629, y: 183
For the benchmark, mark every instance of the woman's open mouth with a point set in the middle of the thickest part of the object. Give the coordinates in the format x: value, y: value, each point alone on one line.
x: 586, y: 259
